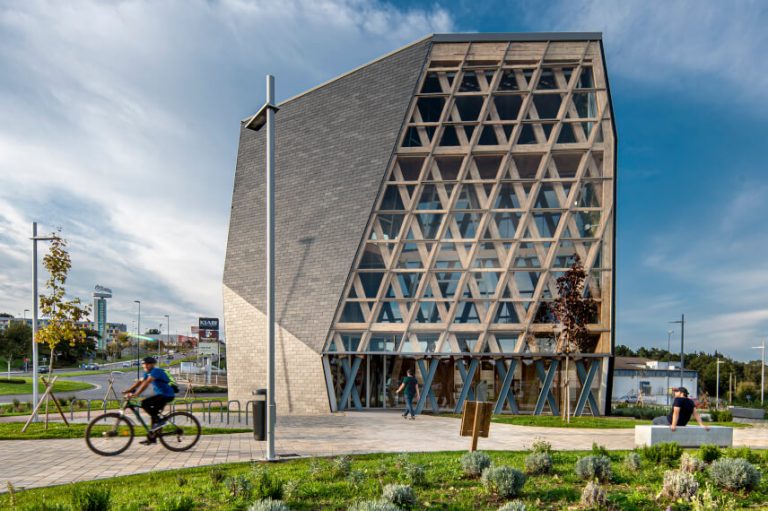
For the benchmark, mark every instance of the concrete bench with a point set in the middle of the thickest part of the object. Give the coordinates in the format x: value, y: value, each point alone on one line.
x: 746, y: 413
x: 685, y: 436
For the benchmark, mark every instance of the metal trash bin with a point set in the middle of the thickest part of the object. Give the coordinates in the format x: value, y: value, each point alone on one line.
x: 260, y: 415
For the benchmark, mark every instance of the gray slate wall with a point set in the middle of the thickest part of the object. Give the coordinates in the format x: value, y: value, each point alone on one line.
x: 332, y: 149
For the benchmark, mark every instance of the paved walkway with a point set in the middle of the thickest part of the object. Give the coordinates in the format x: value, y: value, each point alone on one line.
x: 34, y: 463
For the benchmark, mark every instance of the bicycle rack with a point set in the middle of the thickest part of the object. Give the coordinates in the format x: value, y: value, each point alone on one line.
x: 72, y: 405
x: 246, y: 409
x: 239, y: 421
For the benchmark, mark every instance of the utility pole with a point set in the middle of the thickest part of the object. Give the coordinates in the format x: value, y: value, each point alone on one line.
x: 762, y: 372
x: 682, y: 345
x: 138, y: 341
x: 717, y: 391
x: 669, y: 351
x: 35, y: 382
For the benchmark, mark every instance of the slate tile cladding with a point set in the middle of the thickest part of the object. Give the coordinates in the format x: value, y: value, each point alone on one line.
x: 332, y: 149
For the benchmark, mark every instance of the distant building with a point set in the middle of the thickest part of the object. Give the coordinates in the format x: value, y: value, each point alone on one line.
x: 100, y: 295
x: 111, y: 330
x: 641, y: 379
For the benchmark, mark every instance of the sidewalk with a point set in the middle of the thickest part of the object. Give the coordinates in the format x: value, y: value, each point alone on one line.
x: 34, y: 463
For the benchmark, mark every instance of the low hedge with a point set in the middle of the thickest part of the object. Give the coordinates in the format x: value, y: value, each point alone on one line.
x: 15, y: 381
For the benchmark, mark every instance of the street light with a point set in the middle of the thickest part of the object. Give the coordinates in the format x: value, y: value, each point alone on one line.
x: 717, y: 391
x: 168, y: 333
x: 762, y: 372
x: 35, y: 238
x: 682, y: 345
x: 669, y: 352
x: 138, y: 329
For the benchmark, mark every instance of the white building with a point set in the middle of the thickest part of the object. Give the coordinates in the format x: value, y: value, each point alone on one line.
x: 641, y: 379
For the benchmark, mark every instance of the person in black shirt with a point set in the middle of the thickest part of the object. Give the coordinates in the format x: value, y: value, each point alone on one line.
x: 682, y: 409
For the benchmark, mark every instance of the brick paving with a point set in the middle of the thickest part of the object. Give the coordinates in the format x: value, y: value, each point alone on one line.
x: 35, y: 463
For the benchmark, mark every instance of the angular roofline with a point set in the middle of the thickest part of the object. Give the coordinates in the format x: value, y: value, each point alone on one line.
x: 460, y: 37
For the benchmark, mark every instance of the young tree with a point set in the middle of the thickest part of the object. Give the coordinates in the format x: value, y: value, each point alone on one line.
x: 15, y: 341
x: 573, y: 312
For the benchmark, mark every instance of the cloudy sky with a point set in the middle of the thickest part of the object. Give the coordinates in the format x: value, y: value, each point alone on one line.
x: 120, y: 125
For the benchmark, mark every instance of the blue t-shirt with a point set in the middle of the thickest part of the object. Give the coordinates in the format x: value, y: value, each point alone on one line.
x: 160, y: 383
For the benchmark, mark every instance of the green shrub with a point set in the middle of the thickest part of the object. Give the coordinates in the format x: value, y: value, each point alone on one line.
x: 599, y: 450
x: 292, y: 489
x: 373, y: 505
x: 400, y: 495
x: 691, y: 464
x: 402, y: 460
x: 667, y: 452
x: 266, y: 486
x: 177, y: 503
x: 679, y: 485
x: 317, y: 467
x: 91, y: 498
x: 356, y: 477
x: 14, y: 381
x: 505, y: 482
x: 594, y: 467
x: 721, y: 415
x: 415, y: 474
x: 632, y: 462
x: 181, y: 480
x: 240, y: 487
x: 538, y: 463
x: 341, y: 466
x: 744, y: 453
x: 706, y: 501
x: 473, y: 463
x: 217, y: 475
x: 639, y: 412
x: 44, y: 506
x: 515, y: 505
x: 734, y: 474
x: 541, y: 445
x: 268, y: 505
x: 593, y: 496
x: 709, y: 453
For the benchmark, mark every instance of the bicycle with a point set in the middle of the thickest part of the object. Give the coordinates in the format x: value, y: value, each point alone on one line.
x: 112, y: 433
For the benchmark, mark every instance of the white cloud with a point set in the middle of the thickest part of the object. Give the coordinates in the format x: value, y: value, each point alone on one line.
x: 121, y: 122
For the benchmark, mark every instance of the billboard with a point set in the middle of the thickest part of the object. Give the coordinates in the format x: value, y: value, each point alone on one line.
x: 208, y: 323
x: 207, y: 348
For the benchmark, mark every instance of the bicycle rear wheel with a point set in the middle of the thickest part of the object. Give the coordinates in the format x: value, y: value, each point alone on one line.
x: 109, y: 434
x: 181, y: 432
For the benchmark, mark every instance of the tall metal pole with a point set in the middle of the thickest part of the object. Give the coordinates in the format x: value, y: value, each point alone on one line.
x: 682, y: 347
x: 669, y: 351
x: 762, y: 376
x: 168, y: 332
x: 271, y: 408
x: 717, y: 389
x: 138, y: 341
x: 35, y: 395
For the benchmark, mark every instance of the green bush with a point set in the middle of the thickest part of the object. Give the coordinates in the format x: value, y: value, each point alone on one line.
x: 594, y: 467
x: 400, y: 495
x: 45, y: 506
x: 177, y: 503
x: 373, y: 505
x: 268, y: 505
x: 734, y: 474
x: 599, y: 450
x: 744, y: 453
x: 240, y: 487
x: 667, y: 452
x: 505, y: 482
x: 706, y: 501
x: 91, y: 498
x: 515, y: 505
x: 473, y: 463
x: 341, y: 466
x: 14, y: 381
x: 356, y: 477
x: 632, y: 462
x: 217, y: 475
x: 266, y: 486
x: 640, y: 412
x: 679, y: 485
x: 709, y: 453
x: 541, y: 445
x: 538, y: 463
x: 691, y: 464
x: 292, y: 489
x: 593, y: 496
x: 721, y: 415
x: 415, y: 474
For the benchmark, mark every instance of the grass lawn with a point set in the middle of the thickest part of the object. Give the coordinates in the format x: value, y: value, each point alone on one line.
x: 7, y: 389
x: 37, y: 431
x: 313, y: 484
x: 74, y: 374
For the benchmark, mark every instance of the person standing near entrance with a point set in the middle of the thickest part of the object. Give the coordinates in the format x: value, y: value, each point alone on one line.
x: 411, y: 387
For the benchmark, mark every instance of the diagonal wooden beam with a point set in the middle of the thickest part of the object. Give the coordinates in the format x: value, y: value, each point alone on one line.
x: 505, y: 393
x: 467, y: 375
x: 586, y: 377
x: 426, y: 391
x: 350, y: 390
x: 545, y: 396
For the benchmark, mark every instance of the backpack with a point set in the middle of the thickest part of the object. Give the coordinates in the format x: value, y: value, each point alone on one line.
x: 171, y: 381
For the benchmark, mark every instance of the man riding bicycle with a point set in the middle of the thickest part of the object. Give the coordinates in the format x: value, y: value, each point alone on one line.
x: 153, y: 405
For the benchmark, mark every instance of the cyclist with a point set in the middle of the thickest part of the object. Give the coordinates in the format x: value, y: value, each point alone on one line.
x: 153, y: 405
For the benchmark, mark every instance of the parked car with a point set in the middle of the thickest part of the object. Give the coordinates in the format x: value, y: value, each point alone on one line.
x: 91, y: 367
x: 42, y: 369
x: 126, y: 364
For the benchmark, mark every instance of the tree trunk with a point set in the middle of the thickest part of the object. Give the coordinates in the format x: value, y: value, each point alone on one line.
x: 9, y: 368
x: 567, y: 391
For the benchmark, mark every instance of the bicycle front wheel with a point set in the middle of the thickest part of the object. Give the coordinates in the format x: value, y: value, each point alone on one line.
x: 109, y: 434
x: 181, y: 432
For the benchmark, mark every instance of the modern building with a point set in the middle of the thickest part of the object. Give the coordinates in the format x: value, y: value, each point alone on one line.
x: 426, y: 203
x: 100, y: 295
x: 641, y: 379
x: 111, y: 330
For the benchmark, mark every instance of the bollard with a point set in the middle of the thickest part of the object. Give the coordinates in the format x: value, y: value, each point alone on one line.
x: 260, y: 415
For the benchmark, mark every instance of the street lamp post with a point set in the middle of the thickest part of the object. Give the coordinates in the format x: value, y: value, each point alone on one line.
x: 168, y: 333
x: 669, y: 352
x: 266, y: 116
x: 762, y: 372
x: 35, y: 238
x: 682, y: 345
x: 717, y: 390
x: 138, y: 352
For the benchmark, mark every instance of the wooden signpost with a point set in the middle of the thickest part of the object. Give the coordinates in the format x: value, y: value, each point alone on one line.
x: 476, y: 421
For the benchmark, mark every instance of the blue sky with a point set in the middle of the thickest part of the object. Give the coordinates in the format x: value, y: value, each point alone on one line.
x: 120, y: 125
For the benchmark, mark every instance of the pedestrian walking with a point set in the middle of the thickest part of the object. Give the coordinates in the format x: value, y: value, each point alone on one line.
x: 411, y: 387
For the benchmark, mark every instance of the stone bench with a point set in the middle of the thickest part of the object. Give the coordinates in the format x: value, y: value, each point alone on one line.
x: 685, y: 436
x: 746, y: 413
